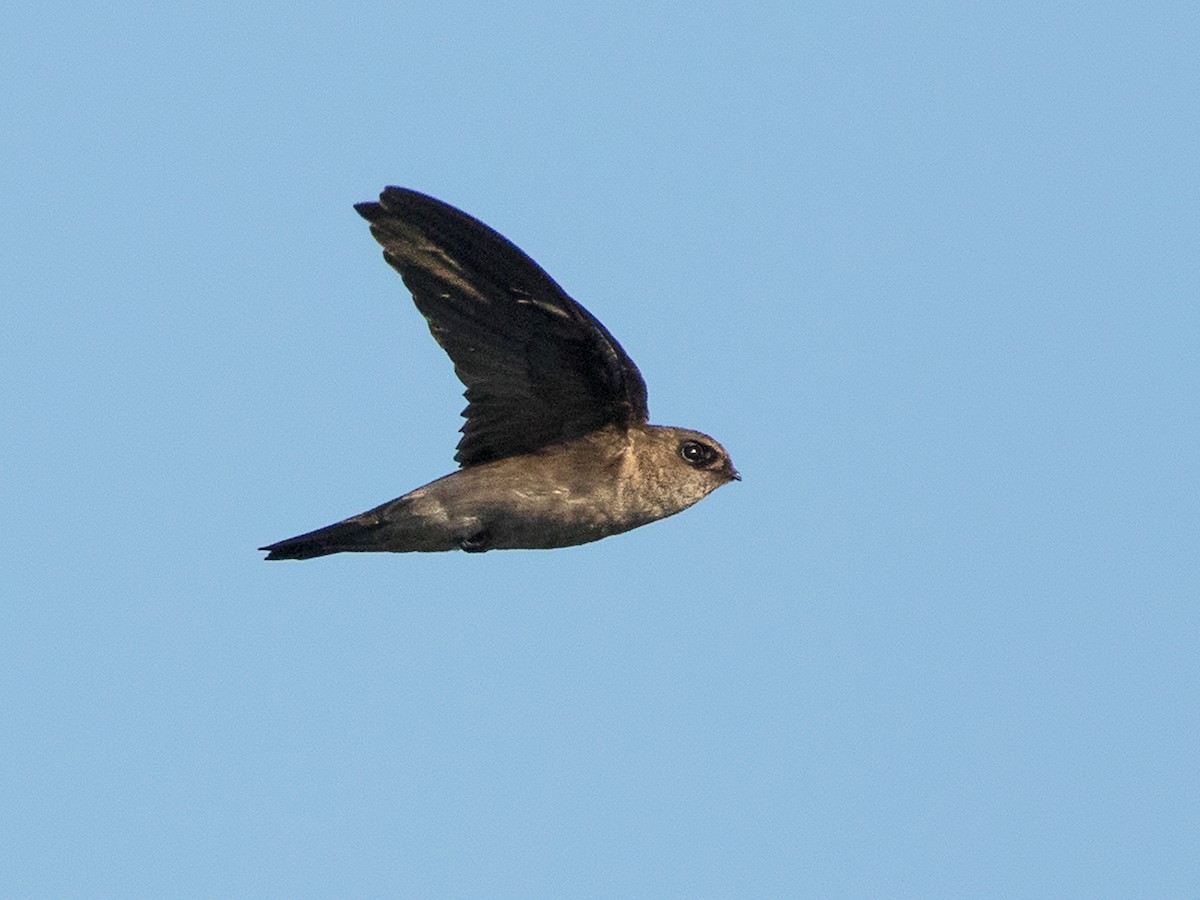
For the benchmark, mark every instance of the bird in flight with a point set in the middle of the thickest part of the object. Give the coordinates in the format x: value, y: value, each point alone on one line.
x: 556, y: 449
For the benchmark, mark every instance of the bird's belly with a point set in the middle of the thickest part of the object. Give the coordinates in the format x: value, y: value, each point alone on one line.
x: 543, y: 519
x: 507, y: 506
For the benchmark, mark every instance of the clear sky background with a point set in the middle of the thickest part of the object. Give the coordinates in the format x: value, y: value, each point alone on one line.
x: 929, y: 271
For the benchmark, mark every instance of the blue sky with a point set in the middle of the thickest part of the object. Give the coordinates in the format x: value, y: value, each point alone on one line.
x: 928, y: 271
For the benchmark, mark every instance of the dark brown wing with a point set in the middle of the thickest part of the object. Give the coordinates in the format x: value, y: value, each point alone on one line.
x: 538, y: 367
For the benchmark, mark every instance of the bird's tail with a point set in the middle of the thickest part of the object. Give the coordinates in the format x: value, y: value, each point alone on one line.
x: 357, y: 533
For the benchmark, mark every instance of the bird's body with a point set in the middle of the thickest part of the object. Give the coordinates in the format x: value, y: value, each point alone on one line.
x: 565, y: 494
x: 556, y: 450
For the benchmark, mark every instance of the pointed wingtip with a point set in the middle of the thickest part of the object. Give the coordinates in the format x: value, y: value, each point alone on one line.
x: 369, y: 210
x: 390, y: 195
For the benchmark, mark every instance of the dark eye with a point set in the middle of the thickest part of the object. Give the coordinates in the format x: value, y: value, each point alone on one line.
x: 697, y: 454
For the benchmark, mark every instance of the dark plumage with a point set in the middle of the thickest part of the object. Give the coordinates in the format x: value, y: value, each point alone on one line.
x: 556, y: 449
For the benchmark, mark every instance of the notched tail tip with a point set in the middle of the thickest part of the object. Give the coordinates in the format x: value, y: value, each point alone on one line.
x: 295, y: 549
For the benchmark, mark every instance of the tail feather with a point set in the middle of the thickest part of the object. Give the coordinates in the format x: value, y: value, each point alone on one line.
x: 352, y: 534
